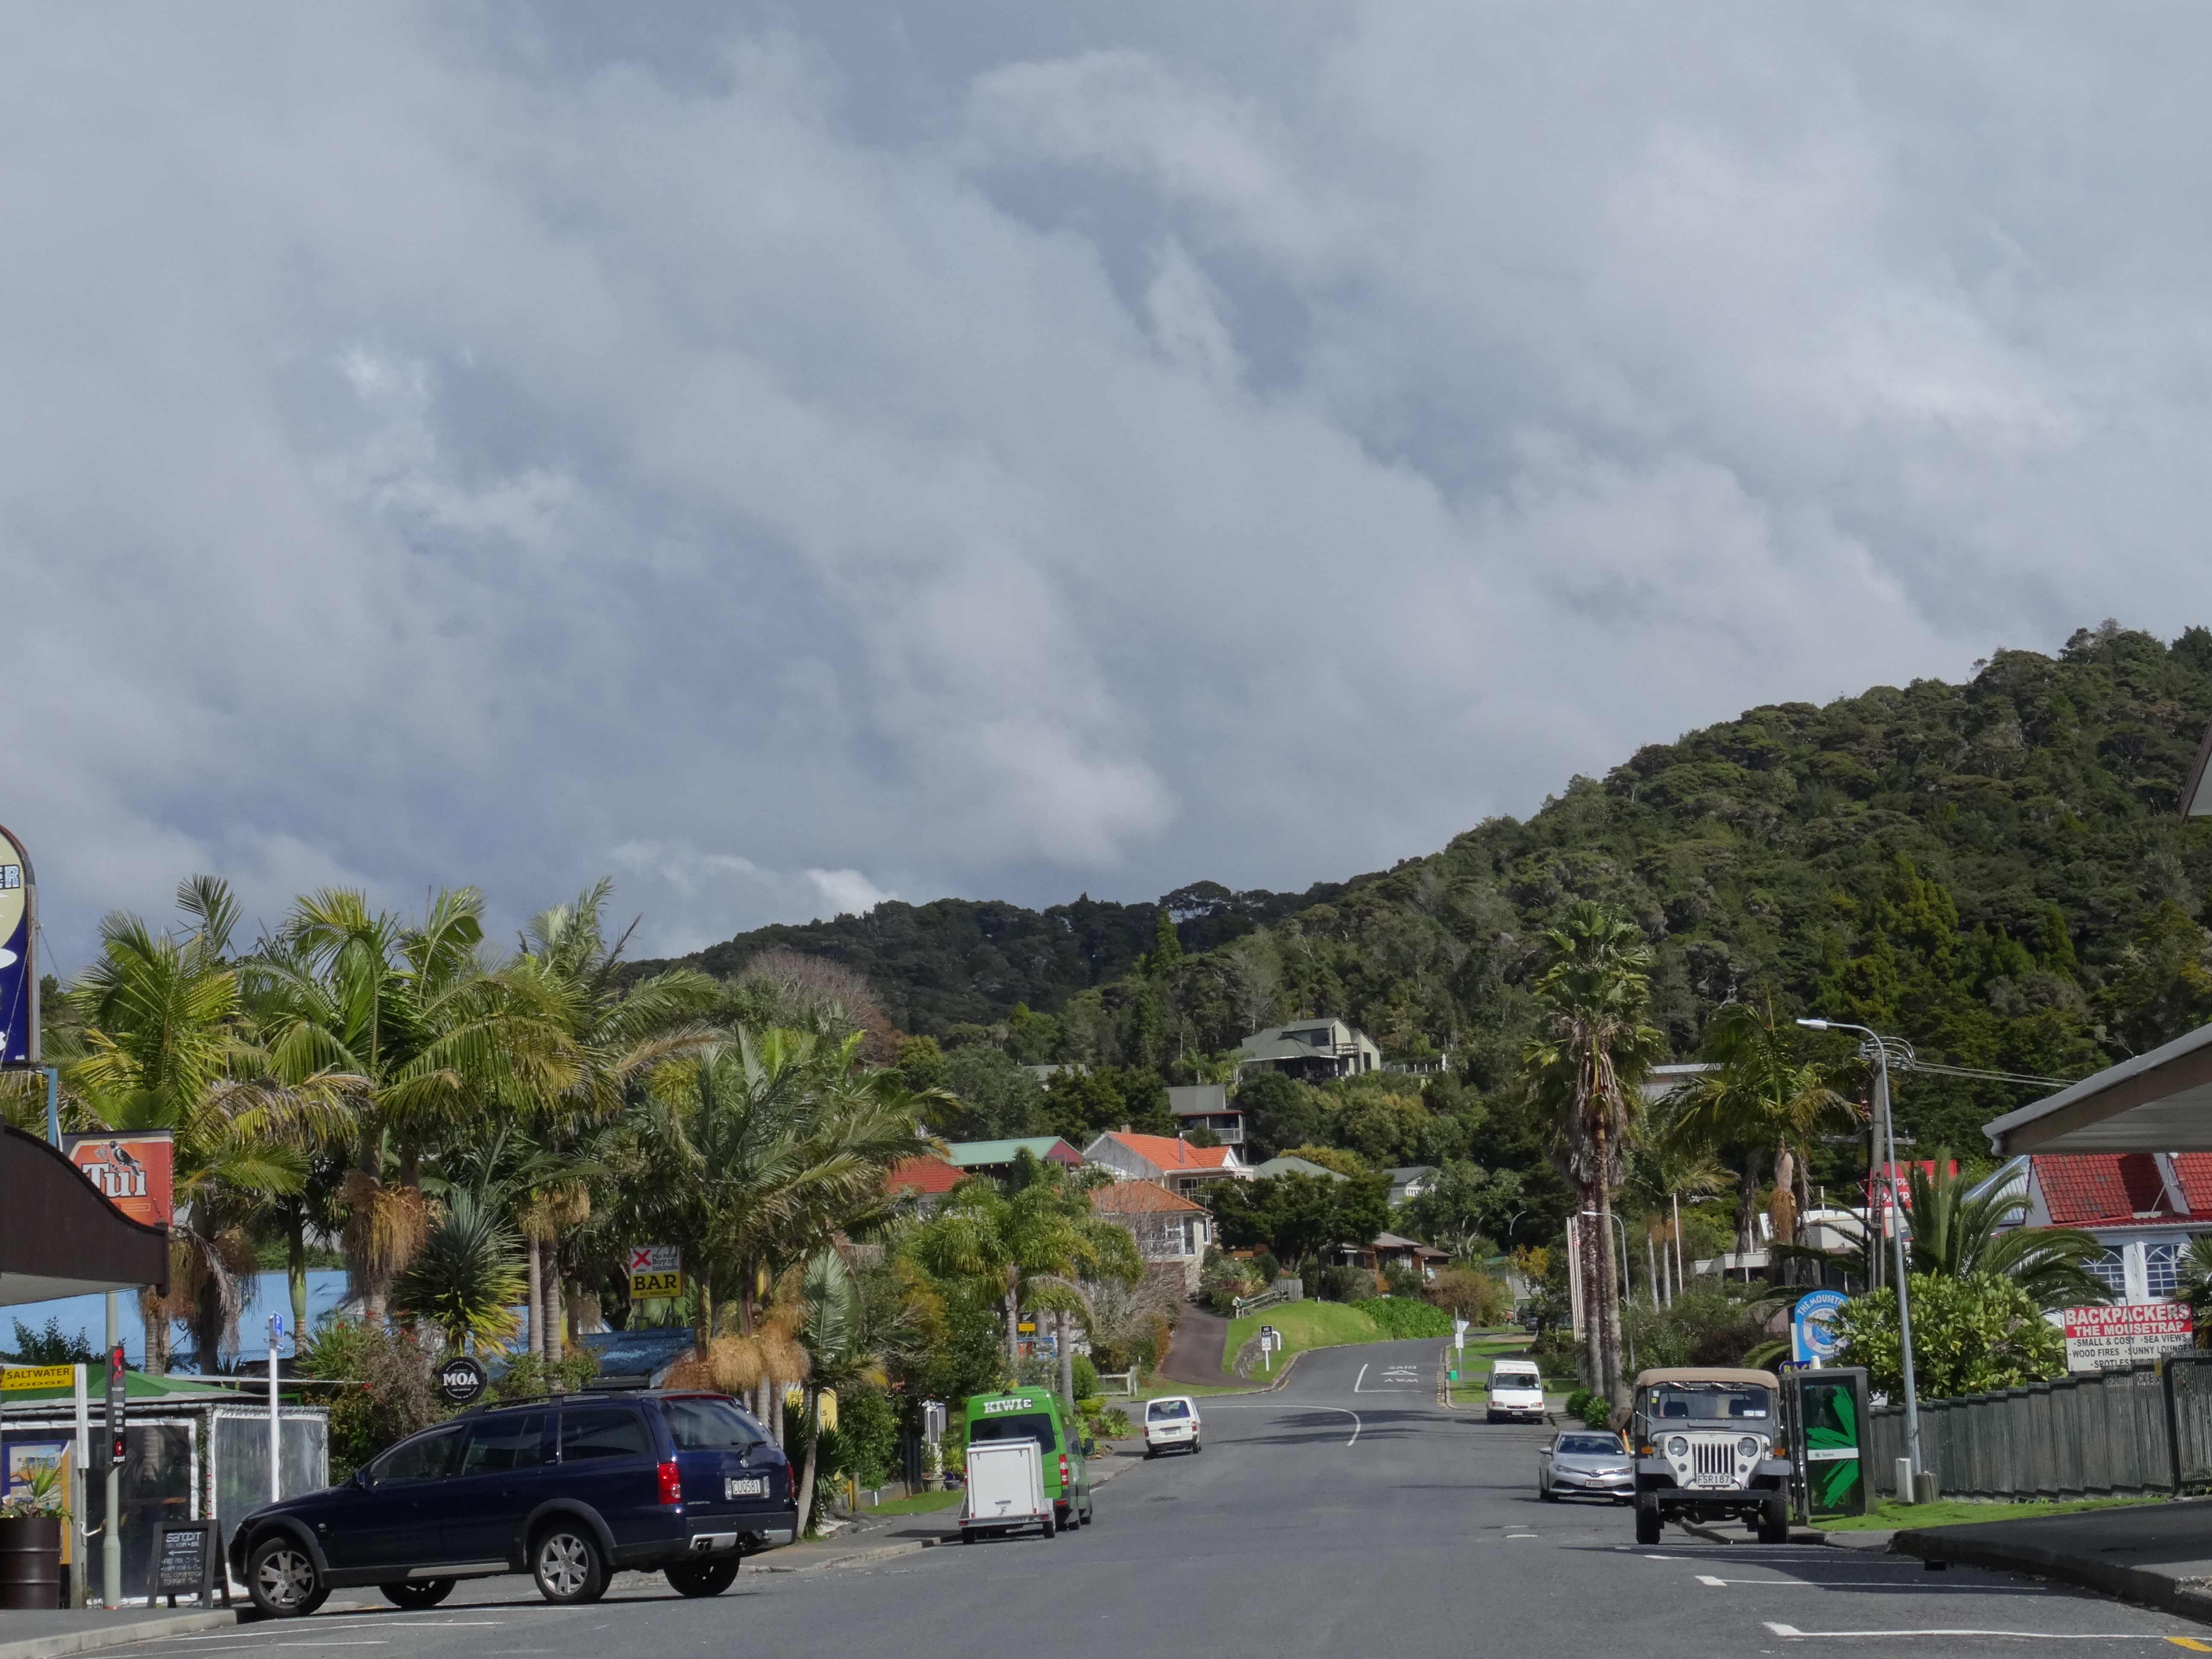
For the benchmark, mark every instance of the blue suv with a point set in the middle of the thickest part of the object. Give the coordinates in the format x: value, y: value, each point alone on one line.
x: 567, y: 1489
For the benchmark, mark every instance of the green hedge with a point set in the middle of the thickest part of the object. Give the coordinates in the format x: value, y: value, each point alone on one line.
x: 1397, y: 1316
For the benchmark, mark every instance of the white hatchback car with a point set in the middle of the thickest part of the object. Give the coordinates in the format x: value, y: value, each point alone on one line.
x: 1170, y: 1425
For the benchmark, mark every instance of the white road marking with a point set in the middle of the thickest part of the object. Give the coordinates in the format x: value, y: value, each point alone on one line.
x: 1707, y: 1578
x: 2023, y: 1634
x: 1357, y: 1380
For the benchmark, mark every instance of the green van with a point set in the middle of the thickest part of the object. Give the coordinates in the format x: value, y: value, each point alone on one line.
x: 1039, y: 1414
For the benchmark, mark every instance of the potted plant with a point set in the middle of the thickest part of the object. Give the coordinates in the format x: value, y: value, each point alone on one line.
x: 30, y: 1542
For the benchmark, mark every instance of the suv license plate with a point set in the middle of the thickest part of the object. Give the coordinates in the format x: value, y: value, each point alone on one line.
x: 750, y: 1486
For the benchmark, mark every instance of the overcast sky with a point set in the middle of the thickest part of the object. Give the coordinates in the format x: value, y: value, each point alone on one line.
x: 785, y: 454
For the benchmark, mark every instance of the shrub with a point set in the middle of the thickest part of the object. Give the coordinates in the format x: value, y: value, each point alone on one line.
x: 1224, y: 1279
x: 526, y: 1377
x: 395, y: 1398
x: 1597, y: 1412
x: 1086, y: 1376
x: 1578, y: 1400
x: 1401, y: 1316
x: 1343, y: 1284
x: 867, y: 1436
x: 1475, y: 1297
x: 1403, y: 1280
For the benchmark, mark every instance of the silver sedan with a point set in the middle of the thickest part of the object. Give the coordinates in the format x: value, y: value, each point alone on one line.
x: 1585, y: 1463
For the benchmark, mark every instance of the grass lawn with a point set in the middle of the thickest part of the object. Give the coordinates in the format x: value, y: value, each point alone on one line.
x: 921, y: 1503
x: 1303, y: 1325
x: 1959, y: 1512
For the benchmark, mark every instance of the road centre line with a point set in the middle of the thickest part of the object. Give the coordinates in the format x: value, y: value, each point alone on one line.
x: 2022, y: 1635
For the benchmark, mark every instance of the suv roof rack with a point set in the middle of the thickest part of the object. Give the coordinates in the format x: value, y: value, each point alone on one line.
x: 488, y: 1405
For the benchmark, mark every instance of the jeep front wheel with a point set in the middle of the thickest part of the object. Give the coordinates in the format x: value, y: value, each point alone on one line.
x: 1774, y: 1520
x: 1648, y: 1523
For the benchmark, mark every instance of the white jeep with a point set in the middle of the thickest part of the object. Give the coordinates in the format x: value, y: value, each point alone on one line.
x: 1708, y: 1442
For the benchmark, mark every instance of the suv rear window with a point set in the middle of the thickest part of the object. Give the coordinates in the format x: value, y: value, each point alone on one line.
x: 710, y: 1426
x: 602, y: 1431
x: 1022, y: 1425
x: 504, y: 1443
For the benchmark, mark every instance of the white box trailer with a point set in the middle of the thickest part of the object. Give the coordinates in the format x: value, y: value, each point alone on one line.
x: 1005, y: 1490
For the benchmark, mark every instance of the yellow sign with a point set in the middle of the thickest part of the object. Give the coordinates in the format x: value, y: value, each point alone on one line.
x: 36, y: 1376
x: 655, y: 1270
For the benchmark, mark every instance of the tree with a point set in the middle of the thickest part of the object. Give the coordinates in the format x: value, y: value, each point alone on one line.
x: 168, y: 1043
x: 432, y: 1042
x: 467, y: 1276
x: 1280, y: 1112
x: 1970, y: 1335
x: 1759, y: 1100
x: 1956, y: 1235
x: 1593, y: 1050
x: 1464, y: 1203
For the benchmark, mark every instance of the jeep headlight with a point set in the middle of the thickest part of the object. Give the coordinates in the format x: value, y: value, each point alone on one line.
x: 1747, y: 1447
x: 1677, y: 1446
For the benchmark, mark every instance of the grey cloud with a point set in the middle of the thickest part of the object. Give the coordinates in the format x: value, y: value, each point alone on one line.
x: 783, y: 457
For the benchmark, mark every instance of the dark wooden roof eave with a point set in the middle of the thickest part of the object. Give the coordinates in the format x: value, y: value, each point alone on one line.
x: 60, y: 1231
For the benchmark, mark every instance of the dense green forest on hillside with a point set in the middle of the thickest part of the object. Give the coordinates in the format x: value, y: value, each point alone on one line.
x: 1996, y: 871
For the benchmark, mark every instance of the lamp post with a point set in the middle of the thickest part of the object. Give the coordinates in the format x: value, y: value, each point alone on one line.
x: 1886, y: 1126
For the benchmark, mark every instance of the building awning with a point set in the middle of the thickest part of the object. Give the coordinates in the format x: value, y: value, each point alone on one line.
x: 60, y: 1237
x: 2160, y: 1102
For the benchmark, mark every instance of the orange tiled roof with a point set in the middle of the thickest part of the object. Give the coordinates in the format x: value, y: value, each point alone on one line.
x: 1132, y: 1197
x: 1173, y: 1153
x: 923, y: 1175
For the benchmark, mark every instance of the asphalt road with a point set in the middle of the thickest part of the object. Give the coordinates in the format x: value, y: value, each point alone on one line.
x: 1348, y: 1516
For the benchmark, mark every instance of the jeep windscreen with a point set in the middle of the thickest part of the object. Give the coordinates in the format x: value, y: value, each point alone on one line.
x: 1022, y: 1425
x: 1707, y: 1402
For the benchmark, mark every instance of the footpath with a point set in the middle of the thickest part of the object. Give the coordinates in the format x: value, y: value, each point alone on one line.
x: 2158, y: 1554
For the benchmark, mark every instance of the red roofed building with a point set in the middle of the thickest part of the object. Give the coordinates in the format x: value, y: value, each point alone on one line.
x: 1167, y: 1161
x: 1168, y: 1229
x: 2143, y: 1208
x: 927, y: 1178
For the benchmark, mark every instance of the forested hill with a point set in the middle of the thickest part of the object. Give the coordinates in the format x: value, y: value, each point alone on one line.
x: 1996, y: 871
x: 965, y: 961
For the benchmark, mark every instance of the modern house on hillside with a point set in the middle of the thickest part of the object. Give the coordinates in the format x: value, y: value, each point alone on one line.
x: 1311, y: 1050
x: 1207, y: 1106
x: 1171, y: 1231
x: 1175, y: 1165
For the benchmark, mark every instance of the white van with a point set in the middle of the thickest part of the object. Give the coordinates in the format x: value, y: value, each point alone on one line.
x: 1516, y: 1391
x: 1170, y: 1425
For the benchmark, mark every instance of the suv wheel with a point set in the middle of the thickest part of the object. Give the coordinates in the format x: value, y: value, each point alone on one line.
x: 281, y: 1577
x: 1774, y: 1520
x: 703, y: 1577
x: 568, y: 1564
x: 1647, y: 1523
x: 416, y: 1592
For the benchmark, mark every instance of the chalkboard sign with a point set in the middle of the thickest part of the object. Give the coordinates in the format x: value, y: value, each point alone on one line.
x: 185, y: 1561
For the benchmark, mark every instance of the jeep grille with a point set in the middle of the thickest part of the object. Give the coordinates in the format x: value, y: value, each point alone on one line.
x: 1714, y: 1457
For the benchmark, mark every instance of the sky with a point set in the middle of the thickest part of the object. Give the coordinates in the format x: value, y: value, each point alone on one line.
x: 785, y: 455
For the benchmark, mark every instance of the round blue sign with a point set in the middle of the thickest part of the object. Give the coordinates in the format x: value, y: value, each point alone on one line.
x: 1813, y: 1325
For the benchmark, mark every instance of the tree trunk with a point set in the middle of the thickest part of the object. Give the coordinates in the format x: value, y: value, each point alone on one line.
x: 1013, y: 1332
x: 1067, y: 1359
x: 156, y: 1313
x: 295, y: 1270
x: 537, y: 1300
x: 1746, y: 1203
x: 552, y: 1306
x: 1607, y: 1322
x: 813, y: 1409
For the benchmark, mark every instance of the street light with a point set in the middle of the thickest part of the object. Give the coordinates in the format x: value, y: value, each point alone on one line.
x: 1888, y: 1129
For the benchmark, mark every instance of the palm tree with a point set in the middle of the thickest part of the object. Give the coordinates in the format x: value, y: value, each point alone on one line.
x: 570, y: 971
x: 1035, y: 1246
x: 1595, y: 1046
x: 1957, y: 1234
x: 468, y: 1275
x: 433, y: 1041
x: 1759, y: 1100
x: 168, y: 1043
